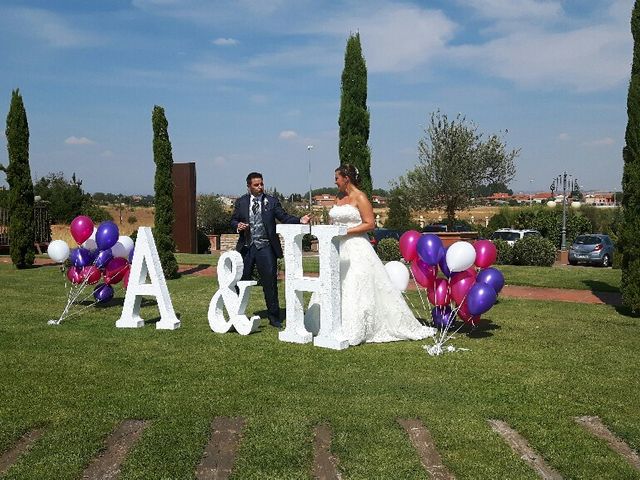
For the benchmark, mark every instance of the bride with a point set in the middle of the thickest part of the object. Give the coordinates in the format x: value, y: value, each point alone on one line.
x: 373, y: 310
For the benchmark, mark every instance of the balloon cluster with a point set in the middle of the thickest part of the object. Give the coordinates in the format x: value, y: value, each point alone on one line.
x: 468, y: 286
x: 102, y: 254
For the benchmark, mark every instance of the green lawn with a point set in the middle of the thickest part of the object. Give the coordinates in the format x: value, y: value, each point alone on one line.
x: 533, y: 364
x: 578, y: 277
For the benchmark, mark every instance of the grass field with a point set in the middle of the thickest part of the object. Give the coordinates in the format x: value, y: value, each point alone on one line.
x: 535, y: 365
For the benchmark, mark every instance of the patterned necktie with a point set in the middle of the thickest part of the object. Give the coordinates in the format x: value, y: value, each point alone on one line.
x: 255, y: 207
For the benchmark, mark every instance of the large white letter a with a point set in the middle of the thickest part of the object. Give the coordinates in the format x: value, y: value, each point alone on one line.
x: 146, y: 260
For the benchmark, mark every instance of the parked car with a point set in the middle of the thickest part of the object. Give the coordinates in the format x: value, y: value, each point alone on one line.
x: 435, y: 227
x: 511, y: 235
x: 381, y: 233
x: 442, y: 227
x: 595, y: 249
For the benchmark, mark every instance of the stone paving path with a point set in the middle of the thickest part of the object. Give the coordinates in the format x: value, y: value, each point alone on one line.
x: 226, y: 435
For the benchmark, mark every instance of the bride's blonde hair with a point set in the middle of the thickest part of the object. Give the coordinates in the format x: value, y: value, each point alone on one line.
x: 350, y: 171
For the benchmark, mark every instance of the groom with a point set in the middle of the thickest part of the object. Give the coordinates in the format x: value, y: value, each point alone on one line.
x: 254, y: 218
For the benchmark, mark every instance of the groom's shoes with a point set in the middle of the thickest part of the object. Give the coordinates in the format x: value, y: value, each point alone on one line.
x: 275, y: 323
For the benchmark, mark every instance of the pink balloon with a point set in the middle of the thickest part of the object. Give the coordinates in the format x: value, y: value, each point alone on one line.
x: 408, y: 243
x: 81, y: 228
x: 425, y: 275
x: 439, y: 294
x: 463, y: 313
x: 75, y: 275
x: 92, y: 274
x: 125, y: 279
x: 460, y: 283
x: 486, y: 253
x: 115, y: 270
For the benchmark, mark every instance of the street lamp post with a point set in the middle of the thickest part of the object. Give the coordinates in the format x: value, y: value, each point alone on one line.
x: 530, y: 192
x: 309, y: 148
x: 561, y: 182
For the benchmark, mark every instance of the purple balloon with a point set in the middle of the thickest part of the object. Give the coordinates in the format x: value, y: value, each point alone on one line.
x: 103, y: 292
x: 480, y: 298
x: 80, y: 257
x: 492, y: 277
x: 444, y: 268
x: 107, y: 235
x: 430, y: 249
x: 442, y: 316
x: 103, y: 258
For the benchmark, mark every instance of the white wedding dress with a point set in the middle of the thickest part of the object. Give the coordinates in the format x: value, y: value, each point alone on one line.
x: 373, y: 310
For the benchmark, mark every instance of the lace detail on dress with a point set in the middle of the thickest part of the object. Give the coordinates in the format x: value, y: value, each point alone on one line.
x: 372, y: 309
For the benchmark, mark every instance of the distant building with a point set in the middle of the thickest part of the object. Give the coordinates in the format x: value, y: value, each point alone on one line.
x: 600, y: 199
x: 378, y: 201
x: 324, y: 200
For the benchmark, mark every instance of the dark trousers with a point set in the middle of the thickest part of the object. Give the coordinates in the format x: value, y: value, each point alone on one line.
x: 267, y: 265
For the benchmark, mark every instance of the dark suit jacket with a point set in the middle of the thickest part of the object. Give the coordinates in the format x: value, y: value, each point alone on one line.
x: 271, y: 211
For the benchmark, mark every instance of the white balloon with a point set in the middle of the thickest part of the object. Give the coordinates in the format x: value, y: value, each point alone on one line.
x: 460, y: 256
x: 127, y: 242
x: 399, y: 274
x: 58, y: 251
x: 90, y: 243
x: 122, y: 247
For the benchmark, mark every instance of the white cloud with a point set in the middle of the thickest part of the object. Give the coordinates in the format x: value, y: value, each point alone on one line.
x: 217, y: 69
x: 225, y: 42
x: 599, y: 142
x: 107, y: 154
x: 220, y: 161
x: 563, y: 136
x: 73, y: 140
x: 287, y: 135
x: 394, y: 38
x: 510, y: 9
x: 586, y: 59
x: 259, y: 99
x: 48, y: 27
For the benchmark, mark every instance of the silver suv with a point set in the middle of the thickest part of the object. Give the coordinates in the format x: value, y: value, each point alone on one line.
x: 511, y: 235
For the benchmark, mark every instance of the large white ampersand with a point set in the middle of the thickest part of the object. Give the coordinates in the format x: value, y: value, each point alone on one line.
x: 229, y: 273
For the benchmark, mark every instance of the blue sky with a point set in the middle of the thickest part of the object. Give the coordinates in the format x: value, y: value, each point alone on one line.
x: 248, y: 84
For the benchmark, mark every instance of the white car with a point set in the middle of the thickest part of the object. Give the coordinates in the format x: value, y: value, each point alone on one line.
x: 511, y: 235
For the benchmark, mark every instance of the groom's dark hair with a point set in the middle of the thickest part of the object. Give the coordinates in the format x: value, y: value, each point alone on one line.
x: 253, y: 175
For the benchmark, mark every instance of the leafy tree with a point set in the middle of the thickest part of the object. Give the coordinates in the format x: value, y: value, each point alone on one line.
x: 494, y: 187
x: 380, y: 192
x: 454, y: 162
x: 18, y: 172
x: 163, y: 187
x: 630, y: 235
x: 399, y: 214
x: 354, y: 115
x: 66, y: 199
x: 213, y: 215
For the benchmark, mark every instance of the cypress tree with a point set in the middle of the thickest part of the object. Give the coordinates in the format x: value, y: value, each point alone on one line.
x: 163, y: 186
x: 354, y: 115
x: 18, y: 172
x: 630, y: 235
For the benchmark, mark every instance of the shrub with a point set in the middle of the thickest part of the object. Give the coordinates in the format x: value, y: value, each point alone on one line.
x: 505, y: 252
x: 132, y: 219
x: 389, y: 249
x: 534, y: 251
x: 203, y: 242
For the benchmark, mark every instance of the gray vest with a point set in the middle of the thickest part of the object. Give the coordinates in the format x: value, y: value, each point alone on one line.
x: 258, y: 231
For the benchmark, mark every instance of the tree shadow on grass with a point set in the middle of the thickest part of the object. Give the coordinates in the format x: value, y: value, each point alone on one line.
x: 195, y: 269
x: 597, y: 286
